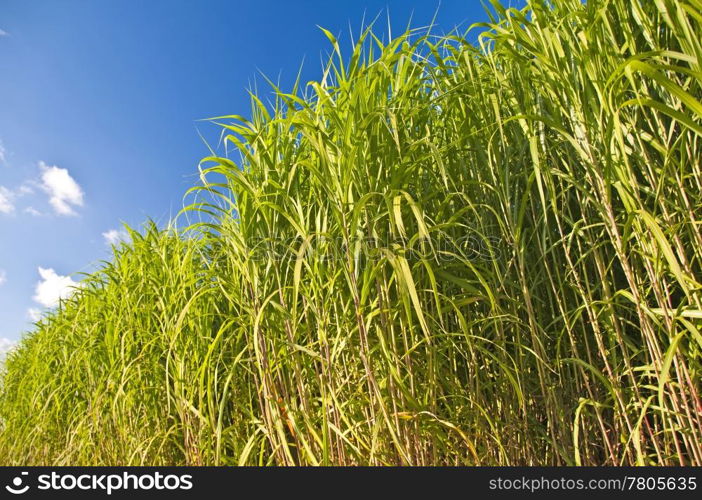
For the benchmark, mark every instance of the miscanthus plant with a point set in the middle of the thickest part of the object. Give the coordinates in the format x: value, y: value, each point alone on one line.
x: 441, y: 252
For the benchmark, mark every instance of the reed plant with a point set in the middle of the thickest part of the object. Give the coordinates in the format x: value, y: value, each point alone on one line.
x: 442, y: 252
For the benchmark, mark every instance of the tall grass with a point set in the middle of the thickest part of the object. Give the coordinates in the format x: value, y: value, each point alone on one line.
x: 439, y: 253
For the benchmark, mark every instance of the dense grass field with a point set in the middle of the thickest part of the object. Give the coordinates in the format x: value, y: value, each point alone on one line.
x: 442, y: 252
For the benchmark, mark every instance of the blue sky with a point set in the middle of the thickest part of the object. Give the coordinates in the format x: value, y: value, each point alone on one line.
x: 99, y: 102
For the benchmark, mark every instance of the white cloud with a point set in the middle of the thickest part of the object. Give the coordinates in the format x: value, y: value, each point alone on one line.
x: 6, y: 345
x: 8, y: 197
x: 53, y: 288
x: 3, y: 276
x: 114, y: 236
x: 6, y: 204
x: 32, y: 211
x: 3, y: 151
x: 34, y: 314
x: 4, y: 33
x: 25, y: 188
x: 64, y: 192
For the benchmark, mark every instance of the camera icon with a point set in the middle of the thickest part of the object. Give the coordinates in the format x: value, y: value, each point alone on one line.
x: 17, y: 483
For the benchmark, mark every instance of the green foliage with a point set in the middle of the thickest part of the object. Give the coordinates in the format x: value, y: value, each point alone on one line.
x: 440, y: 253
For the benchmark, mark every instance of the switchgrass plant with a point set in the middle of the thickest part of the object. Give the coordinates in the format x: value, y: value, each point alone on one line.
x: 439, y: 253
